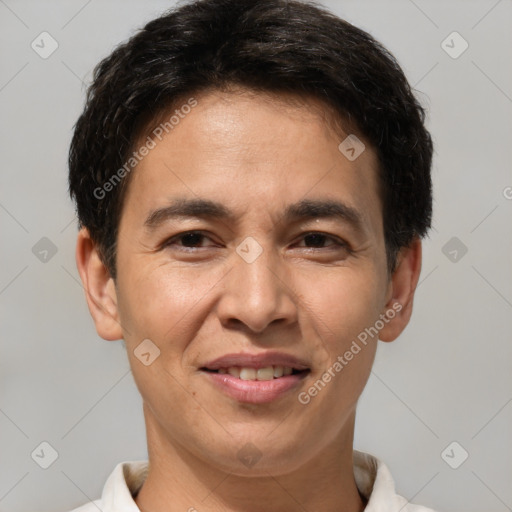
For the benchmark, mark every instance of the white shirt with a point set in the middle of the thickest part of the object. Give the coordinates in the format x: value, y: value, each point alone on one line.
x: 372, y: 477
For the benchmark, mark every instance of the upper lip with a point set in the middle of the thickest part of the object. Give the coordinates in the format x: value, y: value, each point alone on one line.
x: 262, y: 360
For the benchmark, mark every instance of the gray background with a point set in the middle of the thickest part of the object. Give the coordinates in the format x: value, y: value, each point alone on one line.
x: 446, y: 379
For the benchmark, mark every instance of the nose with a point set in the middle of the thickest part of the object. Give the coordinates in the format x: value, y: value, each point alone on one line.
x: 258, y: 293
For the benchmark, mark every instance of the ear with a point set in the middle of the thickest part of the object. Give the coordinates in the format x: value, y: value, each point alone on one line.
x: 401, y: 292
x: 99, y: 288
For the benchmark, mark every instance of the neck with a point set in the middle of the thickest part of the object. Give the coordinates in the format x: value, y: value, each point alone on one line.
x: 179, y: 481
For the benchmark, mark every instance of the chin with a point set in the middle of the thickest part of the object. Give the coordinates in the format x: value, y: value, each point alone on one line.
x: 255, y: 454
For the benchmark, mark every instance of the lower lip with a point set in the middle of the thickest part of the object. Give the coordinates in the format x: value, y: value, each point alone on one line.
x: 255, y: 391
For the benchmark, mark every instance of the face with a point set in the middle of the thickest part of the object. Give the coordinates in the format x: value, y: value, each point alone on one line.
x: 250, y: 247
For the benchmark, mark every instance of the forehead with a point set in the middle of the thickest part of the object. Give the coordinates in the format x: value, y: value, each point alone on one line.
x: 242, y: 148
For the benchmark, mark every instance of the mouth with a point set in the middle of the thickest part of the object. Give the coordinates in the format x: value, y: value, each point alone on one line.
x: 260, y: 374
x: 256, y: 378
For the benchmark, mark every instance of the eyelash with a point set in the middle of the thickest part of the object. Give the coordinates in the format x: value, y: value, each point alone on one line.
x: 337, y: 242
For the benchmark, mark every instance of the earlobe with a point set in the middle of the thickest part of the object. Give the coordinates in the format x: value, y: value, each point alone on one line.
x: 99, y: 288
x: 403, y: 286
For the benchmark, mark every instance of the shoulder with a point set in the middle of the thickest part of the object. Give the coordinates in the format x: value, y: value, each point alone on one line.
x: 375, y: 482
x: 121, y: 486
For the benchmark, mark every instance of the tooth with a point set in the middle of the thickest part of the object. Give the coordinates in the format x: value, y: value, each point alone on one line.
x: 248, y: 373
x: 234, y: 371
x: 265, y: 373
x: 278, y: 371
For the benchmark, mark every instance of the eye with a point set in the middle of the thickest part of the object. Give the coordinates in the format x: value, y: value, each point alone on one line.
x: 190, y: 240
x: 318, y: 239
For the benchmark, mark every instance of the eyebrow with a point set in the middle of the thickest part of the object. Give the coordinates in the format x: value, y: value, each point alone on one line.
x: 208, y: 209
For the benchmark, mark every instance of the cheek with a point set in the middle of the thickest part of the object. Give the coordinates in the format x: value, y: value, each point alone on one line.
x: 164, y: 303
x: 343, y: 303
x: 342, y: 306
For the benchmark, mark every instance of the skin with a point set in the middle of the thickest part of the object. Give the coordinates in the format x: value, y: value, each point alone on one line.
x: 255, y: 154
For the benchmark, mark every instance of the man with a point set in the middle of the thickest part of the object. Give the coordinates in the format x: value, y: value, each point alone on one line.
x: 252, y: 180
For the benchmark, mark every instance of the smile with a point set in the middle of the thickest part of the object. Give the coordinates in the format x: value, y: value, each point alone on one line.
x: 248, y: 373
x: 256, y: 386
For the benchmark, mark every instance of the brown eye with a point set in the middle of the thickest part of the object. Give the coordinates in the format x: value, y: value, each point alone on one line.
x: 317, y: 240
x: 191, y: 239
x: 186, y: 240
